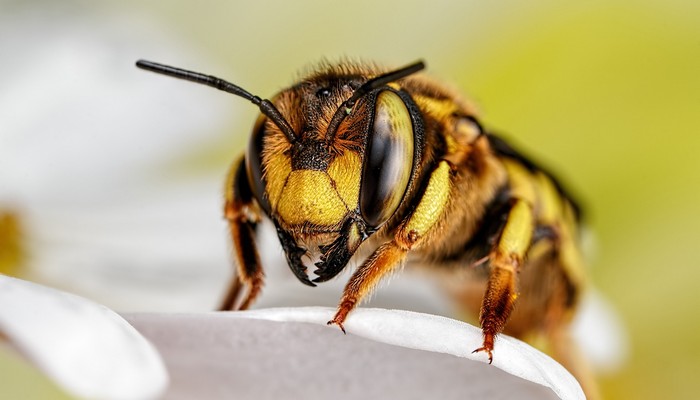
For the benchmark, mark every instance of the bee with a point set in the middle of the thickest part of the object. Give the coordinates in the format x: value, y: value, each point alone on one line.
x: 355, y: 152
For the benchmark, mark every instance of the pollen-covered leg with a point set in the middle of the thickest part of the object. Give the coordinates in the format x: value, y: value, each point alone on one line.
x: 242, y: 216
x: 409, y: 235
x: 505, y: 260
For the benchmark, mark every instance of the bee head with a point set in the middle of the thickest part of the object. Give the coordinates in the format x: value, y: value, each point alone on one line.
x: 346, y: 171
x: 330, y: 159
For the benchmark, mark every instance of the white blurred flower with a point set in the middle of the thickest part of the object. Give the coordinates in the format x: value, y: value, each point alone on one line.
x: 86, y: 141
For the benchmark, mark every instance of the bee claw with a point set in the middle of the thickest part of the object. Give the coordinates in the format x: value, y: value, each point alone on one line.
x: 340, y: 325
x: 487, y: 350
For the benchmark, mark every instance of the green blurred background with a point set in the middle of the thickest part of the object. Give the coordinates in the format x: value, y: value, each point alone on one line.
x: 606, y: 93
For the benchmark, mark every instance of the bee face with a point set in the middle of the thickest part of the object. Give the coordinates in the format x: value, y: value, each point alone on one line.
x: 348, y: 169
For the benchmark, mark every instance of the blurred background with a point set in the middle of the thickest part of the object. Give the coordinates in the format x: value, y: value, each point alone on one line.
x: 111, y: 177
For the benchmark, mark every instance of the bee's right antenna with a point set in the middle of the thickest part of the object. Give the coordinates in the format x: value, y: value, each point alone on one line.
x: 367, y: 87
x: 382, y: 80
x: 266, y: 107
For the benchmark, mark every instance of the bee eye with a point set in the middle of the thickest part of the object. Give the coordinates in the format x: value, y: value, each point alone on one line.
x: 388, y: 159
x: 254, y: 163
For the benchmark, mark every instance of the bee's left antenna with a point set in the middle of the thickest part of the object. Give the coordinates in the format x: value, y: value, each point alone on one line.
x: 266, y: 107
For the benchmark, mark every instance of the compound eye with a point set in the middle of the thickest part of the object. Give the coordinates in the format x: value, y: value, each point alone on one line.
x: 388, y: 159
x: 253, y: 159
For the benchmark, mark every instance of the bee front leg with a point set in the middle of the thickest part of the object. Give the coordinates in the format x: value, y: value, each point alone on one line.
x: 381, y: 263
x: 505, y: 259
x: 242, y: 215
x: 411, y: 234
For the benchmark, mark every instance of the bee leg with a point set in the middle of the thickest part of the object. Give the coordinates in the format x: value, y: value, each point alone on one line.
x: 505, y: 259
x: 382, y: 262
x: 242, y: 215
x: 232, y: 294
x: 410, y: 234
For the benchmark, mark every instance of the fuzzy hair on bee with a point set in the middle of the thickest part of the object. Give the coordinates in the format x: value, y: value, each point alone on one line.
x: 353, y: 151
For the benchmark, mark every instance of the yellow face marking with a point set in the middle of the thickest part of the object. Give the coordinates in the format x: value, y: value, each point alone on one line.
x: 278, y: 166
x: 309, y: 197
x: 346, y: 171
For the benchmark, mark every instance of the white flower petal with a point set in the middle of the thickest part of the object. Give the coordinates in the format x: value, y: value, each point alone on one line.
x: 85, y: 347
x: 220, y: 355
x: 438, y: 334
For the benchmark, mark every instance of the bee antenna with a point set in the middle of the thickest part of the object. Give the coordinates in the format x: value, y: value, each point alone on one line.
x: 367, y: 87
x: 382, y: 80
x: 265, y: 106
